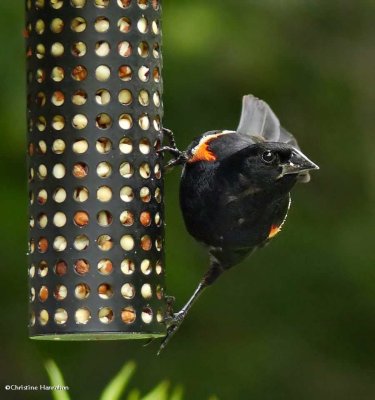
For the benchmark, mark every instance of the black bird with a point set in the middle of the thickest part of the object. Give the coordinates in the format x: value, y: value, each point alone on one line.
x: 235, y: 190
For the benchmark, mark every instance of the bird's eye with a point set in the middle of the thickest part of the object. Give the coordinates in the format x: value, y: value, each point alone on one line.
x: 268, y: 157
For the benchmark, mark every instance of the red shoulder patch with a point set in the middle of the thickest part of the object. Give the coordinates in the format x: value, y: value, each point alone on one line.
x: 275, y: 229
x: 202, y: 152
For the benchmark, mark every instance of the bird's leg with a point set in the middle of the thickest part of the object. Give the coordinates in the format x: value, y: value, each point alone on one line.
x: 174, y: 320
x: 179, y: 157
x: 169, y: 300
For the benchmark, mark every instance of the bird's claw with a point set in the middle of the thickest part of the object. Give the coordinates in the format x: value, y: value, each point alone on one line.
x: 169, y: 149
x: 148, y: 342
x: 172, y: 323
x: 169, y: 313
x: 169, y: 300
x: 178, y: 157
x: 168, y: 319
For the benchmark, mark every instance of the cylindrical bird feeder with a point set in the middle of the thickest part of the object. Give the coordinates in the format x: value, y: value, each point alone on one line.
x: 96, y: 263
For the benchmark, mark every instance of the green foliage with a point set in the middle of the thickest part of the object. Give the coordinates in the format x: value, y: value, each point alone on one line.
x: 56, y: 378
x: 177, y: 393
x: 117, y: 386
x: 159, y: 392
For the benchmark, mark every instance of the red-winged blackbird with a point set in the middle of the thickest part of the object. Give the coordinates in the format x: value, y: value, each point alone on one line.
x: 235, y: 190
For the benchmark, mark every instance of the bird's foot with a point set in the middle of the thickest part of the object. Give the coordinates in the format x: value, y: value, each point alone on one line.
x: 172, y: 323
x: 170, y: 135
x: 169, y: 300
x: 178, y: 156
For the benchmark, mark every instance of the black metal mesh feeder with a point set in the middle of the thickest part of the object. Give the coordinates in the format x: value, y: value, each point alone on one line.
x: 96, y: 262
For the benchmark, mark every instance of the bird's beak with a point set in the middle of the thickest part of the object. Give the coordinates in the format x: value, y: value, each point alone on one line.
x: 298, y: 164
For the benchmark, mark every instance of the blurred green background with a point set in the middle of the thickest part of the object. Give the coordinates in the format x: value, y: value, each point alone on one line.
x: 294, y: 321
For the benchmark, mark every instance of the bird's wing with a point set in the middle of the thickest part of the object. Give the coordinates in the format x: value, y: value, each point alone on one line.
x: 259, y: 121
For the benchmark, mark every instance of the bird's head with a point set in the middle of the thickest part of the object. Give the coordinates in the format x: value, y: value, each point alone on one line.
x: 271, y: 165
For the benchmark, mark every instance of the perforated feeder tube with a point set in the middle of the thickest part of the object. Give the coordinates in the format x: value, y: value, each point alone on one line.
x: 96, y: 262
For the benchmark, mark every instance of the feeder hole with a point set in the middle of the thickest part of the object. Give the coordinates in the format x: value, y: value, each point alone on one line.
x: 82, y: 291
x: 105, y: 291
x: 127, y: 267
x: 128, y: 315
x: 105, y: 267
x: 105, y: 242
x: 81, y: 267
x: 128, y: 291
x: 82, y: 316
x: 104, y: 194
x: 81, y: 242
x: 106, y: 315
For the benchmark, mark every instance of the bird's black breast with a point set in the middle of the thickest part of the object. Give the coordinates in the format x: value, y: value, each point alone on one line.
x: 198, y: 200
x: 221, y: 211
